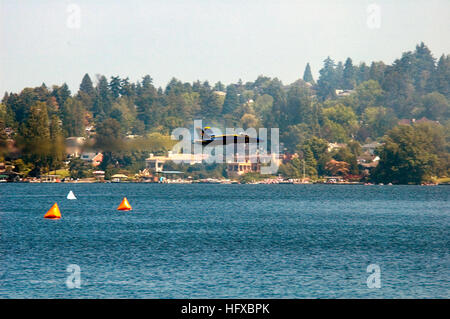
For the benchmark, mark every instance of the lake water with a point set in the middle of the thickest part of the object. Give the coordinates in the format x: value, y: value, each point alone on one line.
x: 225, y: 241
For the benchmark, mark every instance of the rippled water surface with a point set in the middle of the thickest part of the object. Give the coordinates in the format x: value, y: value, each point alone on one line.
x: 225, y: 241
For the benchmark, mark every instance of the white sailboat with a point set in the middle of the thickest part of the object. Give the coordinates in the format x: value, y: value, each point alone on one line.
x: 71, y: 195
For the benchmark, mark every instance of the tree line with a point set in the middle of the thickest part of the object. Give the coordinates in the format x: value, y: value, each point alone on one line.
x: 351, y: 104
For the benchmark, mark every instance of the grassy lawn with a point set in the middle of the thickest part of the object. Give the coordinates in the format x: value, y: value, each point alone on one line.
x: 61, y: 172
x: 443, y: 180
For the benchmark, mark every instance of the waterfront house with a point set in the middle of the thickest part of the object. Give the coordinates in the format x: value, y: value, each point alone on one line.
x: 95, y: 159
x: 156, y: 163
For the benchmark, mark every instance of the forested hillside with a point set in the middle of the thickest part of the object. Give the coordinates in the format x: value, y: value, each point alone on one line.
x: 351, y: 103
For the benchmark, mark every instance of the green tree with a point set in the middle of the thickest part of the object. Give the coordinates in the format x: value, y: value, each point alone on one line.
x: 57, y: 149
x: 376, y: 71
x: 86, y: 86
x: 231, y: 102
x: 3, y: 138
x: 108, y: 136
x: 362, y: 73
x: 368, y: 94
x: 78, y: 169
x: 115, y: 86
x: 339, y: 122
x: 410, y: 155
x: 295, y: 135
x: 436, y: 106
x: 219, y: 87
x: 327, y: 83
x: 72, y: 114
x: 319, y: 149
x: 307, y: 75
x: 149, y: 109
x: 344, y: 154
x: 423, y: 68
x: 349, y: 75
x: 61, y: 93
x: 298, y: 107
x: 263, y: 107
x: 34, y: 139
x: 440, y: 79
x: 378, y: 120
x: 103, y: 98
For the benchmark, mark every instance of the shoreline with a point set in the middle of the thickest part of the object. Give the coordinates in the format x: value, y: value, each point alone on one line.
x: 221, y: 183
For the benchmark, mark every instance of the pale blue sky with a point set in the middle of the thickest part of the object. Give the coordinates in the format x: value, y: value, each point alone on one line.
x: 205, y: 39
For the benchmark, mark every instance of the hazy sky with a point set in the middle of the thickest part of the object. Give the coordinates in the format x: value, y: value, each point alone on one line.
x: 43, y: 41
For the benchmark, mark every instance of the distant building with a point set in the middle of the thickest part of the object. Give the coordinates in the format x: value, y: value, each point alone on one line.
x: 335, y: 146
x: 238, y: 165
x: 156, y: 163
x: 242, y: 164
x: 94, y: 158
x: 340, y: 93
x: 334, y: 179
x: 99, y: 175
x: 239, y: 168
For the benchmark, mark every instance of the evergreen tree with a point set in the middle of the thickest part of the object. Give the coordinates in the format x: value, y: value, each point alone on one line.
x: 34, y: 140
x: 376, y: 71
x: 424, y: 67
x: 339, y: 74
x: 441, y: 76
x: 103, y: 99
x: 298, y: 106
x: 115, y: 86
x: 210, y: 102
x: 147, y: 102
x: 86, y: 86
x: 57, y: 150
x: 326, y: 85
x: 127, y: 88
x: 72, y: 114
x: 231, y: 102
x: 362, y: 73
x: 436, y: 107
x: 348, y: 75
x: 3, y: 138
x: 61, y: 94
x: 219, y: 87
x: 307, y: 75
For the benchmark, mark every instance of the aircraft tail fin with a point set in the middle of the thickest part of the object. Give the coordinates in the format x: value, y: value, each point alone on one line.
x: 204, y: 134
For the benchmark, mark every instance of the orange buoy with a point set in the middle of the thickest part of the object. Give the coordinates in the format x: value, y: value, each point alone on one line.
x: 124, y: 205
x: 53, y: 213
